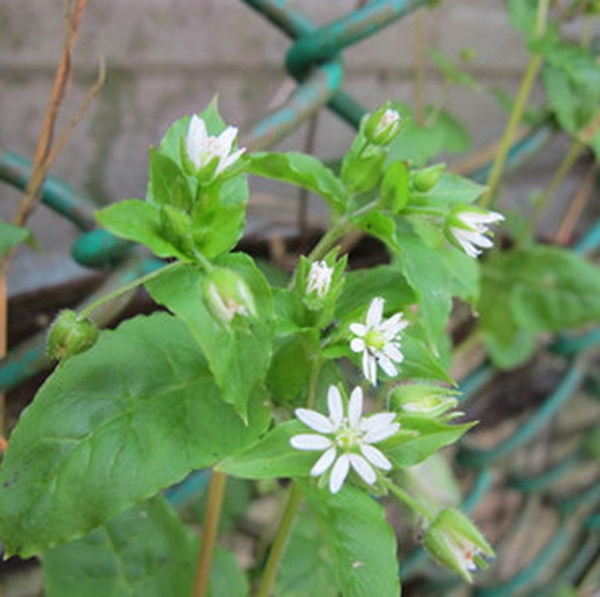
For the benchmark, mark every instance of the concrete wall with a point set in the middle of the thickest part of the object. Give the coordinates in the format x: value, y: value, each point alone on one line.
x: 167, y: 58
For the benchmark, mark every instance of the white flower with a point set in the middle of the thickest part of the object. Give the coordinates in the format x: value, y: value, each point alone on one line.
x: 346, y: 439
x: 203, y: 149
x: 470, y: 227
x: 319, y: 278
x: 378, y: 340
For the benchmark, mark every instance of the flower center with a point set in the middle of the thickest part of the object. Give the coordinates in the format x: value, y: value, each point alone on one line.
x: 375, y: 340
x: 347, y: 436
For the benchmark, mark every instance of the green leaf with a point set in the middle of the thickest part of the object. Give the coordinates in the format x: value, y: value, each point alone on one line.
x: 238, y: 357
x: 429, y: 436
x: 146, y: 551
x: 11, y: 236
x: 430, y: 279
x: 452, y: 74
x: 291, y: 365
x: 272, y: 456
x: 167, y: 182
x: 136, y: 220
x: 451, y: 190
x: 363, y: 285
x: 226, y: 578
x: 361, y: 544
x: 306, y: 567
x: 111, y: 427
x: 440, y: 132
x: 219, y: 225
x: 419, y: 361
x: 381, y: 226
x: 523, y: 15
x: 301, y: 170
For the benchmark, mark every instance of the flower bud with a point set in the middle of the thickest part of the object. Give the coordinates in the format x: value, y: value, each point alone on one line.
x: 362, y: 172
x: 423, y: 399
x: 175, y: 226
x: 70, y: 334
x: 424, y: 180
x: 226, y: 295
x: 394, y: 187
x: 383, y: 125
x: 455, y: 542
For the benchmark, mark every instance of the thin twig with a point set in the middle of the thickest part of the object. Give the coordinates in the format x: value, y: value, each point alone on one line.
x: 56, y: 96
x: 584, y: 192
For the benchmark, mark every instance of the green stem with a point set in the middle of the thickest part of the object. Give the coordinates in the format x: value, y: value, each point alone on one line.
x: 517, y: 111
x: 328, y: 240
x: 410, y: 502
x: 111, y: 296
x: 216, y: 492
x: 278, y: 548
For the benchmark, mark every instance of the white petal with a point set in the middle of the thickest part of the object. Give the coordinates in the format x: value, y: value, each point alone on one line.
x: 228, y: 160
x: 468, y: 248
x: 315, y: 420
x: 358, y: 328
x: 375, y: 312
x: 355, y: 407
x: 369, y: 366
x: 478, y: 239
x: 375, y: 457
x: 339, y: 472
x: 226, y: 139
x: 310, y: 441
x: 376, y: 421
x: 392, y: 351
x: 357, y: 345
x: 380, y: 433
x: 363, y: 468
x: 387, y: 365
x: 335, y: 405
x: 324, y: 462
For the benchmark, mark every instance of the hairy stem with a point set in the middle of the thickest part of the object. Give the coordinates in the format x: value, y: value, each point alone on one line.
x: 111, y: 296
x: 216, y: 492
x: 278, y: 548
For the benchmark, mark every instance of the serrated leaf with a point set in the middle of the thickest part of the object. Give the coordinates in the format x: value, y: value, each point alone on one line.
x: 306, y: 567
x: 111, y: 427
x: 272, y: 456
x: 146, y: 551
x: 361, y: 544
x: 238, y: 357
x: 11, y: 236
x: 302, y: 170
x: 136, y: 220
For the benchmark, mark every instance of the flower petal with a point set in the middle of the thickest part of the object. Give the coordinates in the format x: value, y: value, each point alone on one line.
x: 369, y: 366
x: 310, y: 441
x: 375, y: 312
x: 314, y: 420
x: 392, y: 351
x: 355, y: 406
x: 380, y: 433
x: 335, y: 405
x: 357, y: 345
x: 377, y: 421
x: 358, y: 328
x: 363, y: 468
x: 386, y: 364
x: 324, y: 462
x: 375, y: 457
x: 339, y: 472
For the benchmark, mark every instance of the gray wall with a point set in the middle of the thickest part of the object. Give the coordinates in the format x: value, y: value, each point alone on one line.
x: 167, y: 58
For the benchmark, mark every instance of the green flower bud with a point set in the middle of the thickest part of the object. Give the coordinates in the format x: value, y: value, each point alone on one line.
x: 383, y: 125
x: 361, y: 172
x: 424, y: 180
x: 457, y: 543
x: 394, y: 187
x: 176, y: 226
x: 226, y: 295
x: 70, y: 334
x: 423, y: 399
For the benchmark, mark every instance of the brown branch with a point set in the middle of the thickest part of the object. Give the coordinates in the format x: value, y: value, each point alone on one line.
x: 56, y: 96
